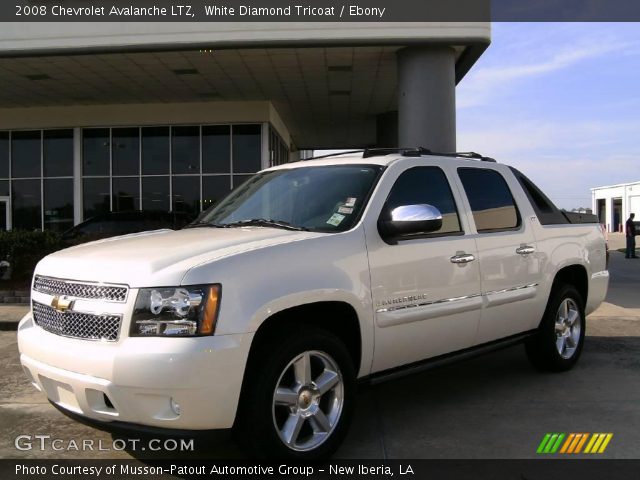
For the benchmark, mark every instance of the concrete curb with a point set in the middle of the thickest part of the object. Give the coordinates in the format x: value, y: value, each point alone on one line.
x: 15, y: 297
x: 10, y: 316
x: 8, y: 326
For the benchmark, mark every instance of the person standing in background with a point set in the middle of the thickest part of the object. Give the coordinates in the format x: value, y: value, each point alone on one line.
x: 630, y: 229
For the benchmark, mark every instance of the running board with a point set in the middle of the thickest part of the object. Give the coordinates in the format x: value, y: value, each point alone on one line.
x: 446, y: 359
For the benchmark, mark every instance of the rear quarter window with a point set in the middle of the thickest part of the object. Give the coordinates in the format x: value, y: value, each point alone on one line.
x: 491, y: 201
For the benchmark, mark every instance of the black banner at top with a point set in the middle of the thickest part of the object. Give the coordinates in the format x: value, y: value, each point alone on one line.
x: 319, y: 10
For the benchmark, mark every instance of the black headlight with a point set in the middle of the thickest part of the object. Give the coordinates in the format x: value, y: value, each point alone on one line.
x: 186, y: 311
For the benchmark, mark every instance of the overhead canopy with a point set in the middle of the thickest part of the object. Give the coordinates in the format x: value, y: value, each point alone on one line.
x: 328, y: 82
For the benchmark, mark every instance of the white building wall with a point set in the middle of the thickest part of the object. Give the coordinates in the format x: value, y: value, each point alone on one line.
x: 629, y: 193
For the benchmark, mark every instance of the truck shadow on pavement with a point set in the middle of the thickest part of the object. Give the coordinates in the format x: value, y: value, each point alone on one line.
x: 467, y: 409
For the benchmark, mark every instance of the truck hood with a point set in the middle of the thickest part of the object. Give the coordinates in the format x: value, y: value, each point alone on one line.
x: 160, y: 257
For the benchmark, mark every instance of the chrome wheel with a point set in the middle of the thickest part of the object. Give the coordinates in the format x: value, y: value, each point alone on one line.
x: 308, y: 400
x: 568, y: 328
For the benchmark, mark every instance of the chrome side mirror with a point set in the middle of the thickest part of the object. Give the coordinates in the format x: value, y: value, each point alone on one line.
x: 409, y: 221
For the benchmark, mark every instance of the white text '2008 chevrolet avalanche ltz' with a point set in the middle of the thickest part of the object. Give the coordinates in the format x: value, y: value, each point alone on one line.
x: 263, y: 314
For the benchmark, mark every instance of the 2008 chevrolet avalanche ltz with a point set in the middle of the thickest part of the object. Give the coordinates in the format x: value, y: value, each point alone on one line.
x: 262, y: 315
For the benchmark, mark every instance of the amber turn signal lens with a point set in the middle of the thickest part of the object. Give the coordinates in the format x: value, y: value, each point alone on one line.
x: 210, y: 313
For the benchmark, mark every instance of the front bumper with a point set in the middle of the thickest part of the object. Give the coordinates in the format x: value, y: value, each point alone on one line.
x: 139, y: 380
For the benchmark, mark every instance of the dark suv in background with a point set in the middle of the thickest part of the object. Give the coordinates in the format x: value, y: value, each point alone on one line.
x: 121, y: 223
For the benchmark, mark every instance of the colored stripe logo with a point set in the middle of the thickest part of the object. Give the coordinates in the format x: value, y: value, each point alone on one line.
x: 573, y: 443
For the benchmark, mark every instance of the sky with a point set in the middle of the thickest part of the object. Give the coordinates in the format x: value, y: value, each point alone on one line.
x: 560, y: 102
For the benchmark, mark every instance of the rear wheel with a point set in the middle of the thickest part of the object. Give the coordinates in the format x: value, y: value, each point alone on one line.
x: 297, y: 398
x: 558, y: 343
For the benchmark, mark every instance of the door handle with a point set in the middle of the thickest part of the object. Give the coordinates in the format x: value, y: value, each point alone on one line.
x: 525, y: 250
x: 462, y: 258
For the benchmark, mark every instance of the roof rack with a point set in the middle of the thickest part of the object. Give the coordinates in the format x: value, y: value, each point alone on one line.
x: 418, y: 151
x: 472, y: 155
x: 404, y: 151
x: 334, y: 154
x: 408, y: 152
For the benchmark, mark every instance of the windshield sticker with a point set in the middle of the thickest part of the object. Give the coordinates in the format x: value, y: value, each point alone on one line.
x: 345, y: 210
x: 336, y: 219
x: 351, y: 201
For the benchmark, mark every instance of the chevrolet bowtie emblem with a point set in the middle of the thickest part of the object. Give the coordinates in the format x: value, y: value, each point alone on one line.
x: 62, y: 304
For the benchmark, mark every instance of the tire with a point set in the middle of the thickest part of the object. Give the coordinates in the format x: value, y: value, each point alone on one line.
x: 310, y: 415
x: 557, y: 345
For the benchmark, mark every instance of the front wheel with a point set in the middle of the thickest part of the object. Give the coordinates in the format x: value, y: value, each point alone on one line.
x: 297, y: 398
x: 558, y: 343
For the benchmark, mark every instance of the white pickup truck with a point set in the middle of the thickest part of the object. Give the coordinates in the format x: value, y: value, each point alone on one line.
x: 263, y: 314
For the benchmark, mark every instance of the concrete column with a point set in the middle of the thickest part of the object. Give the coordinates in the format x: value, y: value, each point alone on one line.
x: 296, y: 155
x: 266, y: 160
x: 426, y: 98
x: 387, y: 130
x: 77, y: 176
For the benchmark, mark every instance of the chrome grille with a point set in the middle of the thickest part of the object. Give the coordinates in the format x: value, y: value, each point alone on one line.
x: 53, y: 286
x: 76, y: 324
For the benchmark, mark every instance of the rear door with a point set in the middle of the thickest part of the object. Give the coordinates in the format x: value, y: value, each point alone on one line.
x: 426, y: 291
x: 510, y: 271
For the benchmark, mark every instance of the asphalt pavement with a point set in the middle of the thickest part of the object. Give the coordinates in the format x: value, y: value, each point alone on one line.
x: 495, y: 406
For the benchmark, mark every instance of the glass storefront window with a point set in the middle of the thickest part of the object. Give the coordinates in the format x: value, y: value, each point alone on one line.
x: 58, y: 153
x: 216, y: 149
x: 95, y: 196
x: 95, y: 151
x: 155, y: 193
x: 186, y: 194
x: 157, y: 168
x: 214, y: 189
x: 25, y: 154
x: 58, y: 204
x: 155, y: 150
x: 26, y: 204
x: 4, y: 154
x: 247, y: 148
x: 185, y: 148
x: 278, y: 151
x: 125, y: 151
x: 240, y: 179
x: 126, y: 194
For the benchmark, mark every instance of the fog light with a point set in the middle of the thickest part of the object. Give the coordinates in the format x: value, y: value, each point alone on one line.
x: 175, y: 407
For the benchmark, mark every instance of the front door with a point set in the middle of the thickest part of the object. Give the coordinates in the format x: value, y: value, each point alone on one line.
x: 426, y: 291
x: 5, y: 214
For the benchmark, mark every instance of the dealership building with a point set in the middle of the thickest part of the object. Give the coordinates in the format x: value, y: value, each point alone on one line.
x: 614, y: 203
x: 98, y: 117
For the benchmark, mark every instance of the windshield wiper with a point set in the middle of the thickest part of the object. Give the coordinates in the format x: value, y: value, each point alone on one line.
x: 262, y: 222
x: 203, y: 224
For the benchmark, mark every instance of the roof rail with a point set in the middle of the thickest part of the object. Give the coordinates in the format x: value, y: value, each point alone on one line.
x: 472, y: 155
x: 334, y: 154
x: 407, y: 152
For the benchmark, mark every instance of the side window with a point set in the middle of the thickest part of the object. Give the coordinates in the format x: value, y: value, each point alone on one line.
x: 491, y: 201
x: 428, y: 185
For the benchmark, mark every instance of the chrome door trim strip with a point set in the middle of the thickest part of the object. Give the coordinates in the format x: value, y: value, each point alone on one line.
x: 434, y: 310
x: 425, y: 304
x: 454, y: 299
x: 509, y: 295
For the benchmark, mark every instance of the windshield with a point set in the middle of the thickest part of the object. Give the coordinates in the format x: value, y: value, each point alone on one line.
x: 322, y: 199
